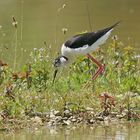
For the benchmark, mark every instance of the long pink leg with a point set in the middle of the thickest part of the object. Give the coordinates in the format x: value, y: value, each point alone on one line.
x: 100, y: 66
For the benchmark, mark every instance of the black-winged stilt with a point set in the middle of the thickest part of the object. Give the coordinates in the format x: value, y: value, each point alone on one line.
x: 83, y: 44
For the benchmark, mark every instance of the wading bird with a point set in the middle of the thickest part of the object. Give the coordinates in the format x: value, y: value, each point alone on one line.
x: 83, y: 44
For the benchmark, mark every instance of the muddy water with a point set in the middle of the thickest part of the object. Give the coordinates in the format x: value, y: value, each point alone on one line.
x: 120, y: 131
x: 43, y: 20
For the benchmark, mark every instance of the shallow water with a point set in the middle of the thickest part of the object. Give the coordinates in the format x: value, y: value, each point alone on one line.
x: 43, y: 20
x: 120, y: 131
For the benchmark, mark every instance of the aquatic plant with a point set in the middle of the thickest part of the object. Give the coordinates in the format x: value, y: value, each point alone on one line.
x: 31, y: 90
x: 15, y: 23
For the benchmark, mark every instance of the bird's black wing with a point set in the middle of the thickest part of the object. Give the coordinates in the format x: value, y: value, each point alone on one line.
x: 87, y: 38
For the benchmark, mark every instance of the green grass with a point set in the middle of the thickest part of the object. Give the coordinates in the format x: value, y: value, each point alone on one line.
x: 32, y: 90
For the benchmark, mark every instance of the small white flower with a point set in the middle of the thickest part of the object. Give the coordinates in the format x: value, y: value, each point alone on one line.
x: 115, y: 37
x: 117, y: 53
x: 63, y: 6
x: 64, y: 30
x: 41, y: 49
x: 113, y: 62
x: 15, y: 23
x: 137, y: 56
x: 35, y: 49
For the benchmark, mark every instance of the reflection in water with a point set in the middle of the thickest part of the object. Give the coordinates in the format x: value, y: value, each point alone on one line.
x: 127, y: 131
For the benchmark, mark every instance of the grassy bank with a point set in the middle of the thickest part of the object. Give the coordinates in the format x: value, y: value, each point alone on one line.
x: 30, y: 92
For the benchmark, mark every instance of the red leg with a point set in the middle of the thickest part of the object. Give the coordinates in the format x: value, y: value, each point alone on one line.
x: 99, y: 70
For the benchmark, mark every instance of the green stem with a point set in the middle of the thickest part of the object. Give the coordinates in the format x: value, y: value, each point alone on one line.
x: 15, y: 57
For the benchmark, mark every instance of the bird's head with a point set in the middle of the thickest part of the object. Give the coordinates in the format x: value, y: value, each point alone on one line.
x: 60, y: 61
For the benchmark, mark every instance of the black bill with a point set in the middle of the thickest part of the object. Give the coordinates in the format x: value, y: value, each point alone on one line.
x: 54, y: 75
